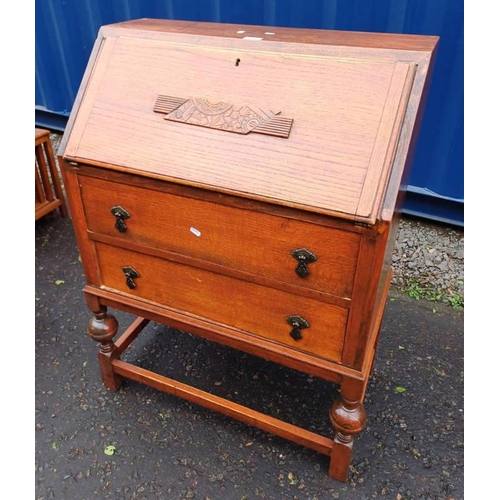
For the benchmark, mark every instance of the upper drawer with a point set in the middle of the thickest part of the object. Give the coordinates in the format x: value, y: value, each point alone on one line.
x: 240, y: 239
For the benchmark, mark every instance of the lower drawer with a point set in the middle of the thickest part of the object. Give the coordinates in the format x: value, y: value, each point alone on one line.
x: 248, y: 307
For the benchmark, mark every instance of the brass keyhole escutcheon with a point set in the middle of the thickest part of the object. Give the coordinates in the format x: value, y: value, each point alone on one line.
x: 297, y: 323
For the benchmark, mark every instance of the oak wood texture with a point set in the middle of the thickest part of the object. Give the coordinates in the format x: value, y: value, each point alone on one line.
x: 219, y: 234
x: 49, y: 195
x: 203, y: 161
x: 339, y: 175
x: 252, y: 308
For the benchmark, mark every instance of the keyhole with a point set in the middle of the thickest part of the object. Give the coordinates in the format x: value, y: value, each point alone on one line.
x: 237, y: 62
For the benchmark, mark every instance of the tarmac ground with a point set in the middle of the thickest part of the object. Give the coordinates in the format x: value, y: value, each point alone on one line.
x: 138, y: 443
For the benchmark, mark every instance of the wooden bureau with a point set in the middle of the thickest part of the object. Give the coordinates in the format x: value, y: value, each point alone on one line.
x: 243, y: 183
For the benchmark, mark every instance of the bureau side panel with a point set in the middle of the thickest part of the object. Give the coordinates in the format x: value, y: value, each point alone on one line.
x: 369, y: 273
x: 77, y: 214
x: 397, y: 182
x: 94, y: 72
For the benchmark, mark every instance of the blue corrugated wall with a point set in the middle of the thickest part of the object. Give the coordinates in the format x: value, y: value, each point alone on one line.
x: 65, y: 32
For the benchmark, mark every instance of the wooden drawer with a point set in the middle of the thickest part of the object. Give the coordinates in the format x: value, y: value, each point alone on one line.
x: 234, y: 303
x: 254, y: 242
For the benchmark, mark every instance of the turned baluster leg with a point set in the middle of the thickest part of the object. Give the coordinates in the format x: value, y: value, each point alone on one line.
x: 348, y: 418
x: 102, y: 327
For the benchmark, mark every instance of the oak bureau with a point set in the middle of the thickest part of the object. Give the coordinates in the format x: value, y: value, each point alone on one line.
x: 243, y: 183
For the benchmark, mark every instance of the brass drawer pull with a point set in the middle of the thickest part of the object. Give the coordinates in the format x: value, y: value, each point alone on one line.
x: 304, y: 257
x: 121, y: 214
x: 297, y: 323
x: 130, y: 274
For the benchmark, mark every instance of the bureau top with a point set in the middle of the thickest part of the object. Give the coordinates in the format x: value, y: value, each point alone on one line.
x: 315, y: 119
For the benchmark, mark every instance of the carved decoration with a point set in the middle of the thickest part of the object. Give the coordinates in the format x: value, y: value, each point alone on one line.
x: 240, y: 119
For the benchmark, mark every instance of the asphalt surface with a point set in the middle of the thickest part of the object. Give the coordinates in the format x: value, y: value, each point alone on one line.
x: 138, y: 443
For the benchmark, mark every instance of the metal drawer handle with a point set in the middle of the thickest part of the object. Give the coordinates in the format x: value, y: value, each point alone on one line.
x: 297, y: 323
x: 121, y: 214
x: 304, y: 257
x: 130, y: 274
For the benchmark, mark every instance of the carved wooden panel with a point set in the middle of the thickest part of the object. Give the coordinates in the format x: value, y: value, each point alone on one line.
x: 238, y: 118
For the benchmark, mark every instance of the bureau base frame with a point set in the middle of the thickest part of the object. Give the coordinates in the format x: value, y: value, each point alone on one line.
x: 347, y: 414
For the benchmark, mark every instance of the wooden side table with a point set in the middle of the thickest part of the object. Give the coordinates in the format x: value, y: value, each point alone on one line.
x: 48, y: 189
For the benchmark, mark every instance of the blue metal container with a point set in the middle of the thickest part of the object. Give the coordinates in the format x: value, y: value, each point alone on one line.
x: 66, y: 31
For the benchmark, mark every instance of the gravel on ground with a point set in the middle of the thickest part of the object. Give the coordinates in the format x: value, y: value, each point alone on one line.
x: 428, y: 261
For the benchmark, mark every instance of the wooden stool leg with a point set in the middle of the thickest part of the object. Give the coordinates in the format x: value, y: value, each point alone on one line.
x: 102, y: 327
x: 39, y: 192
x: 44, y: 173
x: 49, y: 152
x: 348, y: 417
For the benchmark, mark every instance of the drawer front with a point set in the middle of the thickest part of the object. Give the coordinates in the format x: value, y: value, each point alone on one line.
x: 246, y: 306
x: 254, y: 242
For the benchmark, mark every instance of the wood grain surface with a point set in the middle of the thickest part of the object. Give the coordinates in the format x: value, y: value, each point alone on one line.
x: 252, y: 308
x: 346, y: 119
x: 257, y: 243
x: 187, y: 212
